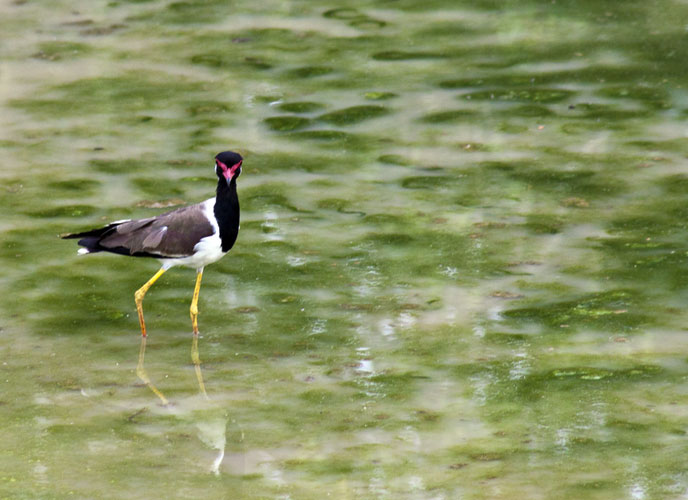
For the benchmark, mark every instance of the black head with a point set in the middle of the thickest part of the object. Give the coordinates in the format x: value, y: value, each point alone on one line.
x: 228, y: 165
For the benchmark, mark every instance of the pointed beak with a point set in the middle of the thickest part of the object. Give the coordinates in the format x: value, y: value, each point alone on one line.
x: 232, y: 172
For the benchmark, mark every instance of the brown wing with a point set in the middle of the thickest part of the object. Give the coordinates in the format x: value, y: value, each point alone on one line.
x: 172, y: 234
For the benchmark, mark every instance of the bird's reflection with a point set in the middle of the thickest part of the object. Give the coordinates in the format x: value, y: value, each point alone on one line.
x: 195, y: 358
x: 141, y: 372
x: 213, y: 433
x: 197, y: 365
x: 210, y: 419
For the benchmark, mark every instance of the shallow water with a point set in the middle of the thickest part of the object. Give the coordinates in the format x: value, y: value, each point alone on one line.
x: 461, y: 268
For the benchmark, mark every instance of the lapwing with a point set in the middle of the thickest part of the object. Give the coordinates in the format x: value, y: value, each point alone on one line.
x: 192, y: 236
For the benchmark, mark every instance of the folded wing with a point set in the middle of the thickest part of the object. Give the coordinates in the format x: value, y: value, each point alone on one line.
x: 170, y: 235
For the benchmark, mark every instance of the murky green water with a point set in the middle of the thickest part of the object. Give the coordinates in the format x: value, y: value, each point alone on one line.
x: 462, y: 265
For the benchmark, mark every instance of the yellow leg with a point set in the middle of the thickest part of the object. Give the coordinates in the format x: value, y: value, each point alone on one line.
x: 194, y: 323
x: 140, y: 293
x: 141, y: 372
x: 140, y: 369
x: 194, y: 302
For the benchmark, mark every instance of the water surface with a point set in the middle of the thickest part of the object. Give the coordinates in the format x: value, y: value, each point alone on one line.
x: 461, y: 268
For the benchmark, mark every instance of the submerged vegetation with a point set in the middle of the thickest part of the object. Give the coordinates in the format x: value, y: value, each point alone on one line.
x: 461, y: 270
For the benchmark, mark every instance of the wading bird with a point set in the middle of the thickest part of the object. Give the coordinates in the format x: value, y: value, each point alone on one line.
x: 192, y: 236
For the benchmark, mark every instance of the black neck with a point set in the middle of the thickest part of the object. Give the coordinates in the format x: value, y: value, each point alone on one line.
x: 227, y: 213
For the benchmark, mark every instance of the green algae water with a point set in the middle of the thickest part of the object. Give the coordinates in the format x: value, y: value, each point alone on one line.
x: 461, y: 271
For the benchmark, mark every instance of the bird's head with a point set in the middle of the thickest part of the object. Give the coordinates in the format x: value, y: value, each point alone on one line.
x: 228, y: 165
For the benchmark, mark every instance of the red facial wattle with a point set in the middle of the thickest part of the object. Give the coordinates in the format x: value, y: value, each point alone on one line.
x: 229, y: 172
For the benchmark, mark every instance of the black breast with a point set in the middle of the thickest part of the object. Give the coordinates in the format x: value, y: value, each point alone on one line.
x: 227, y: 213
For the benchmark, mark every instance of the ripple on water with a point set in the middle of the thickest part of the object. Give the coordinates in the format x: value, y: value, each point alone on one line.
x: 287, y: 123
x: 353, y: 114
x: 541, y: 95
x: 300, y: 107
x: 461, y: 267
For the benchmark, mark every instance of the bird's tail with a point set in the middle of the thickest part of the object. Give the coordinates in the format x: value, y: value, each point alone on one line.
x: 89, y: 239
